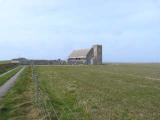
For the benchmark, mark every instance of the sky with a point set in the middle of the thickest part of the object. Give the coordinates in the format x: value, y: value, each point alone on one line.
x: 129, y: 30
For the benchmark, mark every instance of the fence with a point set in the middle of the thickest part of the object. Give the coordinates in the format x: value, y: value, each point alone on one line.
x: 42, y: 101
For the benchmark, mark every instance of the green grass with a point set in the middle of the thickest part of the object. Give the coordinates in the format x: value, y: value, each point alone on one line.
x: 108, y: 92
x: 17, y: 104
x: 7, y: 76
x: 4, y: 67
x: 5, y: 61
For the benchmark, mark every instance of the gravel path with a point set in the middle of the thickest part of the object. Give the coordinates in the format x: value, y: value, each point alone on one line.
x: 4, y: 88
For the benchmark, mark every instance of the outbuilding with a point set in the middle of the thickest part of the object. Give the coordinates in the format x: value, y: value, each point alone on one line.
x: 86, y: 56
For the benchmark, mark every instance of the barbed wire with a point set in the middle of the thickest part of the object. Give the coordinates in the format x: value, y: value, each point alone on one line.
x: 44, y: 103
x: 46, y: 108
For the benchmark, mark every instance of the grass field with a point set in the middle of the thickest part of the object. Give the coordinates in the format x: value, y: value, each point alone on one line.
x: 108, y: 92
x: 18, y: 103
x: 5, y: 62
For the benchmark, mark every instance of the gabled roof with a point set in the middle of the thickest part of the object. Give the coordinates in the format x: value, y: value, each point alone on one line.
x: 82, y: 53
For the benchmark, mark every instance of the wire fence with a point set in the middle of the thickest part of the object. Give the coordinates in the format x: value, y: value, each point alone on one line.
x: 46, y: 106
x: 42, y: 101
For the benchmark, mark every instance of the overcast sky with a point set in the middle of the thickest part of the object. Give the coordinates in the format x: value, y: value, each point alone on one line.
x: 129, y: 30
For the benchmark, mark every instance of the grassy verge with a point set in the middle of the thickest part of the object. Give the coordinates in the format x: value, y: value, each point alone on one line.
x: 109, y: 92
x: 6, y: 77
x: 17, y: 104
x: 4, y: 67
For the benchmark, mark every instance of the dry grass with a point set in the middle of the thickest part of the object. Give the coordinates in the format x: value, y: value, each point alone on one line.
x: 108, y: 92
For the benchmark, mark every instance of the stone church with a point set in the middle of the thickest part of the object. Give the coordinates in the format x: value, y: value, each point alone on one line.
x: 86, y: 56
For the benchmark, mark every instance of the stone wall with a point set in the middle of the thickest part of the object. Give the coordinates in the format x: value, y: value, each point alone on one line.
x: 97, y: 54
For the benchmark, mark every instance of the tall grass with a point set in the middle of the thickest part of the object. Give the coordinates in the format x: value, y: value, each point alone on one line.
x: 18, y: 103
x: 108, y: 92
